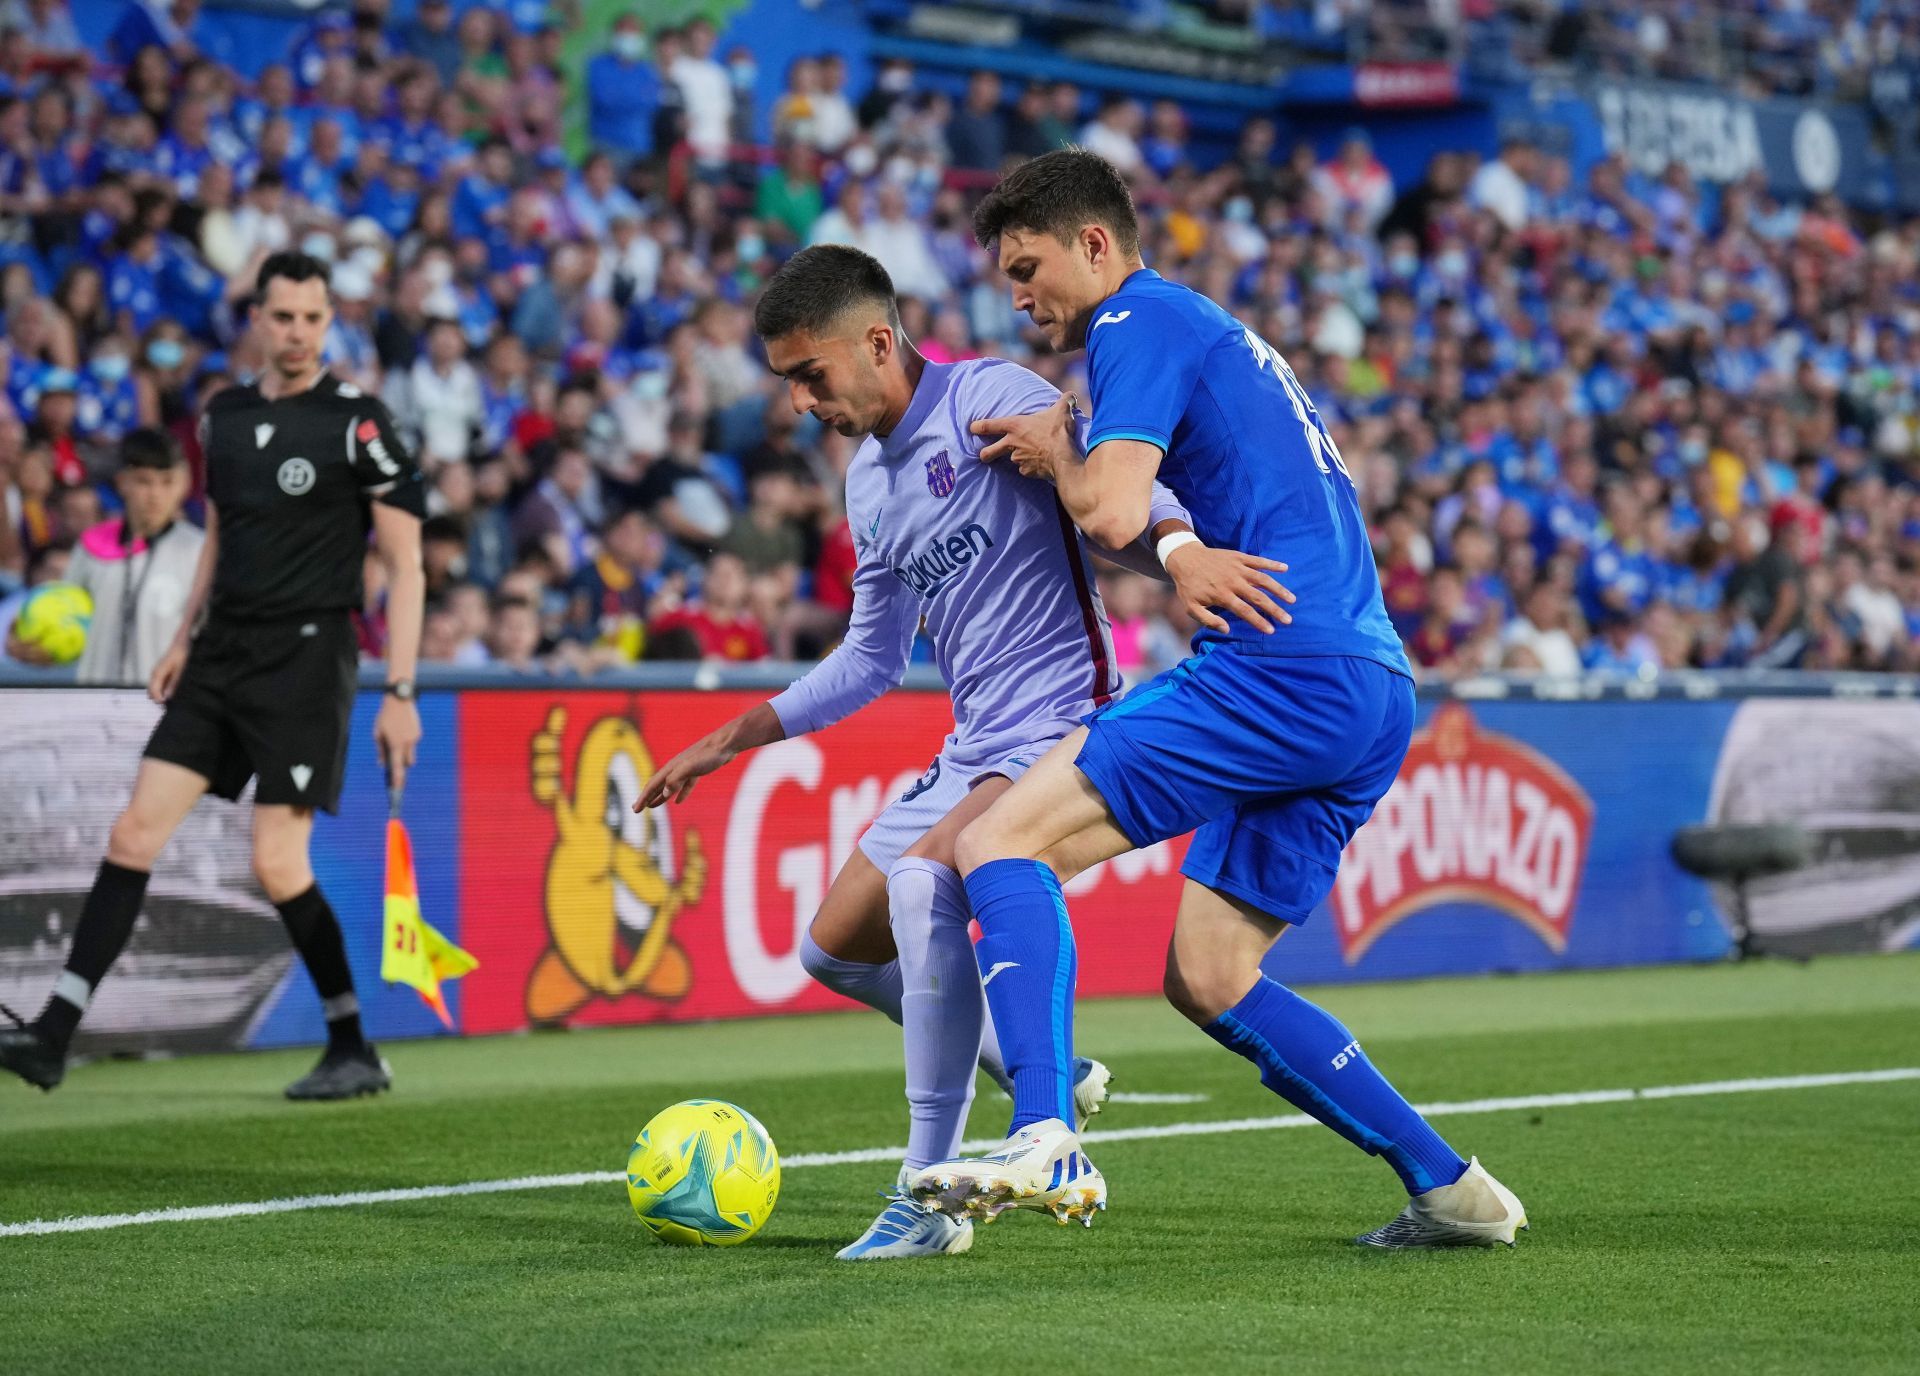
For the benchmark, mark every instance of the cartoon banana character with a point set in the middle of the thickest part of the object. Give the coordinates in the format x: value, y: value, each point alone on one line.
x: 611, y: 894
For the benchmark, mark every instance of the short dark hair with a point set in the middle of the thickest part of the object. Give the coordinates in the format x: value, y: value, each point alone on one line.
x: 1057, y: 193
x: 148, y: 448
x: 819, y: 285
x: 293, y: 265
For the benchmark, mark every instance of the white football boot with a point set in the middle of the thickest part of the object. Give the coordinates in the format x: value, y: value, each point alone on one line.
x: 1040, y: 1167
x: 1090, y: 1081
x: 907, y: 1228
x: 1474, y: 1211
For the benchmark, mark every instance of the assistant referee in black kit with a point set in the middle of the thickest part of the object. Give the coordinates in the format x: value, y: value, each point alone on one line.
x: 299, y: 467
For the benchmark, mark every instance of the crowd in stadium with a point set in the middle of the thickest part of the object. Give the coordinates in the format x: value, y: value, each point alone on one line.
x: 1624, y: 423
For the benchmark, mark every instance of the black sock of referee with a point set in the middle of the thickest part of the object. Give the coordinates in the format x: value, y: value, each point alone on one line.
x: 106, y: 922
x: 316, y: 936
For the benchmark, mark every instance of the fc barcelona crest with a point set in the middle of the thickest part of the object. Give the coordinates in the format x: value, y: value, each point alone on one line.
x: 940, y: 475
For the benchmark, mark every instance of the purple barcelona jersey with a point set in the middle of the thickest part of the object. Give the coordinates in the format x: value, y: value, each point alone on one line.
x: 989, y: 558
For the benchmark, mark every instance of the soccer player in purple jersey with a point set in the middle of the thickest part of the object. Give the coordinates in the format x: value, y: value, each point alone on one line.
x: 990, y: 561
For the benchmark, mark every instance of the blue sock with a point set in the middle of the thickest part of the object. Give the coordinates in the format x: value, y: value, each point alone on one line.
x: 1310, y: 1060
x: 1027, y: 963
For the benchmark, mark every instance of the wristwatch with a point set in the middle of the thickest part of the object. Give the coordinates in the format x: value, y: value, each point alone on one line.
x: 402, y: 690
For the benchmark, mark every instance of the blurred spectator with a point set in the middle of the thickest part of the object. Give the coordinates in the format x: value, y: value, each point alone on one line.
x: 834, y: 121
x: 1115, y: 134
x: 765, y: 538
x: 623, y: 91
x: 1500, y: 186
x: 707, y: 91
x: 977, y: 133
x: 1354, y: 184
x: 438, y: 398
x: 789, y: 194
x: 719, y: 620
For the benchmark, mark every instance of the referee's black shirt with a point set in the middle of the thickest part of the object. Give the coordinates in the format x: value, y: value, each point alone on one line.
x: 293, y: 481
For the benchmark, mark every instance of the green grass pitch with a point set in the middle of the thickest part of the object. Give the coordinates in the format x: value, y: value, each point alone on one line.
x: 1741, y: 1232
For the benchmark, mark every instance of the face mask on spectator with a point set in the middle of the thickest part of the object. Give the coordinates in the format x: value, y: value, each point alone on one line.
x: 744, y: 75
x: 1693, y: 452
x: 437, y: 271
x: 370, y: 258
x: 110, y: 367
x: 896, y: 79
x: 752, y: 248
x: 861, y: 160
x: 165, y: 353
x: 1403, y: 264
x: 319, y: 246
x: 629, y: 46
x: 1452, y: 263
x: 1239, y: 210
x: 650, y: 386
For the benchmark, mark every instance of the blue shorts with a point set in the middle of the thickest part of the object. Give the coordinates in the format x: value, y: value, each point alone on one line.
x: 1272, y: 762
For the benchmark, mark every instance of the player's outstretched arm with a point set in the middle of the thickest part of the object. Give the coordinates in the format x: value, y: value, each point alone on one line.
x: 166, y: 674
x: 675, y: 779
x: 870, y: 659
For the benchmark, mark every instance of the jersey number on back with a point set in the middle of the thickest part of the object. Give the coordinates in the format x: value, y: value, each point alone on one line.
x: 1319, y: 443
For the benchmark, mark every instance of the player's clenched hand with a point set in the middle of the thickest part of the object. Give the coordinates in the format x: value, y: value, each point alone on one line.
x: 675, y: 779
x: 166, y: 674
x: 1238, y: 583
x: 1037, y: 443
x: 396, y: 736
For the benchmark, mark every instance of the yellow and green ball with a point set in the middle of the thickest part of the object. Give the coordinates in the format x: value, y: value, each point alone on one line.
x: 55, y: 618
x: 703, y: 1173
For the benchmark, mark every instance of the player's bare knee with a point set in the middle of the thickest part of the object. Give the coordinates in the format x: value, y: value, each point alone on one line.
x: 282, y: 877
x: 1203, y: 988
x: 136, y: 841
x: 981, y: 843
x: 283, y: 870
x: 845, y: 935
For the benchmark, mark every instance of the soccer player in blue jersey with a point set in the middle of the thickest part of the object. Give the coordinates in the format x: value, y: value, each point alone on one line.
x: 987, y: 561
x: 1271, y: 747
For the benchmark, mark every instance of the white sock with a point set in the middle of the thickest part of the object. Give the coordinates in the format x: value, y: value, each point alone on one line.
x: 943, y: 1009
x: 877, y: 986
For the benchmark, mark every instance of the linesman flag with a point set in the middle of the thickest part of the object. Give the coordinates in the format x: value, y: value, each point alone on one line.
x: 412, y: 952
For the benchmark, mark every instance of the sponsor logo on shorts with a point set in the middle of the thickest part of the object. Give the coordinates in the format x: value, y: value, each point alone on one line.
x: 1473, y: 818
x: 296, y: 477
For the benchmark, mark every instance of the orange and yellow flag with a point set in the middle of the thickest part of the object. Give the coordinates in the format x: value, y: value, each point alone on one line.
x: 413, y: 952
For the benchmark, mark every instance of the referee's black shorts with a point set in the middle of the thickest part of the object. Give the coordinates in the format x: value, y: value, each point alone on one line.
x: 273, y: 699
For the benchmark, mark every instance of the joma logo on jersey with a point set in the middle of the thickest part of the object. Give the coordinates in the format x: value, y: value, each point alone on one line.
x: 1474, y: 817
x: 943, y: 557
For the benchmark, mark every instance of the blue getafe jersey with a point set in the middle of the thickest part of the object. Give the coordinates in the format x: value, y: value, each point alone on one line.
x: 1247, y: 454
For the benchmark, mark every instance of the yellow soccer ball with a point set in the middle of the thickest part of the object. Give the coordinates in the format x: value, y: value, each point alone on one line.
x: 703, y: 1173
x: 55, y: 618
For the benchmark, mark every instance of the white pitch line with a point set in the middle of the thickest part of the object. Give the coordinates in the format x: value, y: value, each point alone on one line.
x: 1123, y: 1097
x: 202, y: 1212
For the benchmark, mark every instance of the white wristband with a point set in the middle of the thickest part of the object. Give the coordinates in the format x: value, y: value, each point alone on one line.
x: 1169, y: 543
